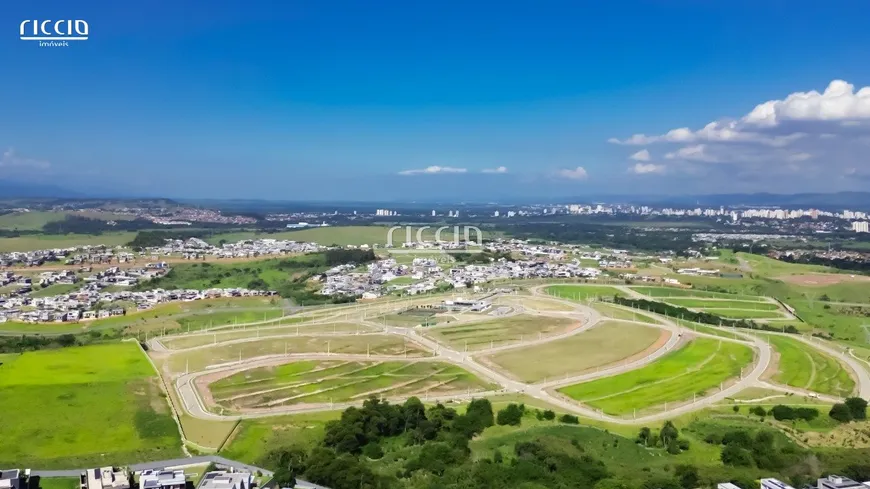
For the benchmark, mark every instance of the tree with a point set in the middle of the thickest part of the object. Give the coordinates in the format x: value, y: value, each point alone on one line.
x: 289, y: 462
x: 373, y: 451
x: 858, y: 408
x: 758, y: 411
x: 841, y: 413
x: 669, y: 433
x: 569, y: 419
x: 511, y: 415
x: 806, y: 413
x: 688, y: 476
x: 549, y: 415
x: 735, y: 456
x: 782, y: 413
x: 481, y: 411
x: 643, y: 437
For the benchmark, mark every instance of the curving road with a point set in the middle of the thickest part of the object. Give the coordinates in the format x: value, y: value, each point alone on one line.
x: 545, y: 391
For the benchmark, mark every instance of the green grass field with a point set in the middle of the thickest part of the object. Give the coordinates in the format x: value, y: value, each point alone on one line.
x: 722, y: 304
x: 29, y: 221
x: 603, y: 345
x: 663, y: 292
x: 339, y: 381
x: 706, y: 328
x: 581, y: 292
x: 744, y: 314
x: 42, y: 242
x: 495, y: 332
x: 254, y: 438
x: 352, y: 344
x: 802, y: 366
x: 83, y: 406
x: 697, y: 368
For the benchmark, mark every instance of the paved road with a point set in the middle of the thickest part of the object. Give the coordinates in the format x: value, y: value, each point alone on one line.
x: 193, y: 404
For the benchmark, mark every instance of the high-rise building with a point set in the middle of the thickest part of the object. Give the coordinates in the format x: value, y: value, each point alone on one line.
x: 495, y: 214
x: 861, y: 226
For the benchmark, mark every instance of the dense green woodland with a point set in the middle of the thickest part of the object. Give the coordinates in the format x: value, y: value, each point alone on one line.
x: 382, y: 445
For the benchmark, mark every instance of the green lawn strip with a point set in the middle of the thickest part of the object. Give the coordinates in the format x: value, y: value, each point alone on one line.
x: 50, y: 241
x: 182, y: 342
x: 743, y: 314
x: 668, y: 292
x: 254, y: 438
x: 694, y: 369
x: 805, y: 367
x: 97, y: 405
x: 722, y: 304
x: 713, y: 330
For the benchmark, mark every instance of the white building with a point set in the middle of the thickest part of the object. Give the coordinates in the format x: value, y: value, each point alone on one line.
x: 840, y: 482
x: 162, y: 479
x: 104, y: 478
x: 726, y: 485
x: 774, y: 484
x: 861, y: 227
x: 10, y: 479
x: 221, y: 479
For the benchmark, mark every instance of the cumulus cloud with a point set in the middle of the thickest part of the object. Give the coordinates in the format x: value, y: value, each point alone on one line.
x: 578, y: 173
x: 839, y: 102
x: 642, y: 155
x: 432, y: 170
x: 11, y: 159
x: 801, y: 137
x: 645, y: 168
x: 500, y: 169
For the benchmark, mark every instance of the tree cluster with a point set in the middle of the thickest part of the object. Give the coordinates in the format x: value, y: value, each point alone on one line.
x: 854, y: 409
x: 762, y: 449
x: 667, y: 437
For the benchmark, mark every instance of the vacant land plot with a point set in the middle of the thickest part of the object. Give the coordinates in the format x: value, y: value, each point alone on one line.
x: 608, y: 343
x: 537, y: 303
x: 339, y: 235
x: 804, y: 367
x: 722, y: 304
x: 615, y: 312
x: 744, y: 313
x: 823, y: 279
x: 706, y: 328
x: 201, y: 358
x: 482, y: 335
x: 195, y: 340
x: 695, y: 369
x: 581, y: 292
x: 83, y: 406
x: 42, y: 242
x: 315, y: 382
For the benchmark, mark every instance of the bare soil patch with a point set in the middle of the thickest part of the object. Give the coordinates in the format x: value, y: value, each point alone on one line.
x: 822, y: 279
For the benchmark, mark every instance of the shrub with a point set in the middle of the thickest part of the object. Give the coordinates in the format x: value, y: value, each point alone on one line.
x: 549, y: 415
x: 782, y: 413
x: 511, y: 415
x: 569, y: 419
x: 758, y: 411
x: 841, y: 413
x: 858, y: 408
x: 373, y: 451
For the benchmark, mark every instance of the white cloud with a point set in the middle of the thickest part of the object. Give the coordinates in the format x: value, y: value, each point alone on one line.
x: 645, y: 168
x: 11, y: 159
x: 431, y: 170
x: 796, y: 140
x: 501, y: 169
x: 692, y: 153
x: 839, y: 102
x: 642, y: 155
x: 578, y: 173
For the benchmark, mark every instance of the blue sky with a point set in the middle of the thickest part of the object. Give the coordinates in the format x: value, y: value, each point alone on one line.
x: 379, y: 100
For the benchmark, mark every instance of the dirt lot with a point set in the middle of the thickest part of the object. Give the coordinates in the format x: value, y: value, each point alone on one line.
x: 822, y: 279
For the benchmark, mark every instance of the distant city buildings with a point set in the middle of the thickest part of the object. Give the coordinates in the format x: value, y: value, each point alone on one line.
x: 861, y: 226
x: 386, y: 212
